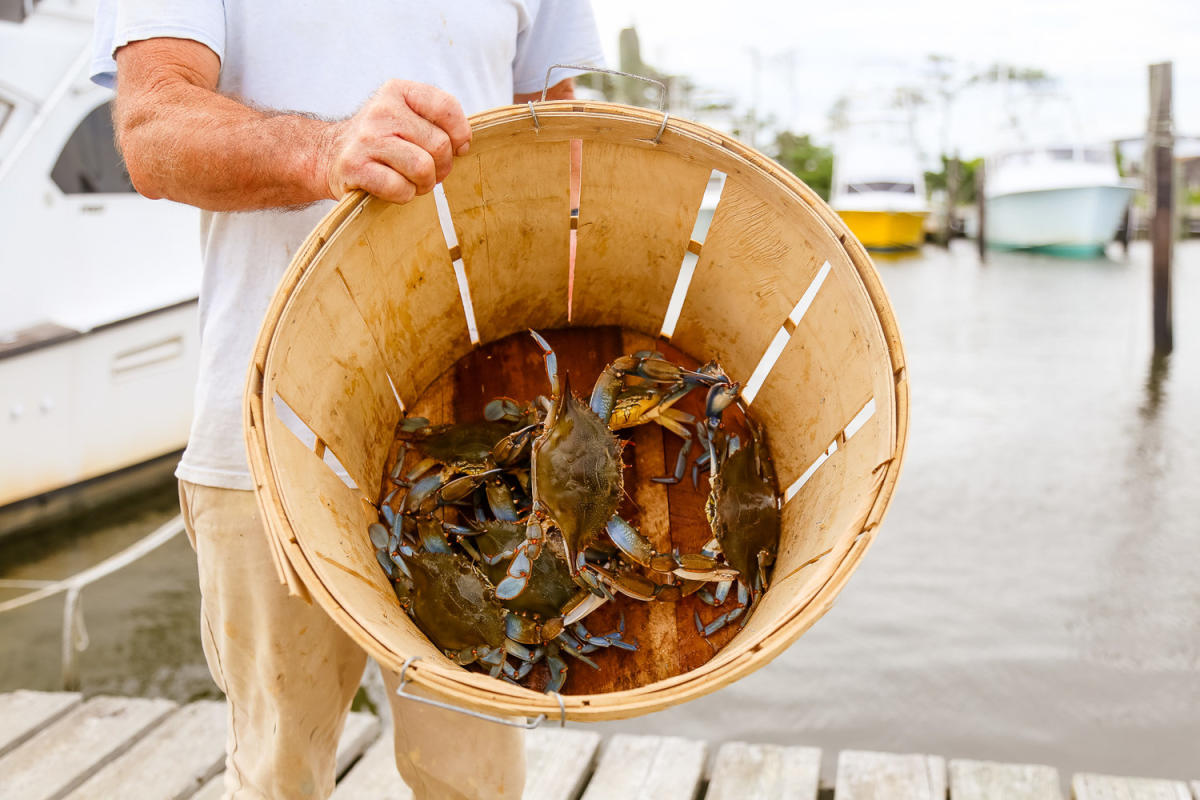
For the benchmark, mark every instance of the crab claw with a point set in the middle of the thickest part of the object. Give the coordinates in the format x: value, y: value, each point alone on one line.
x: 517, y: 574
x: 551, y: 361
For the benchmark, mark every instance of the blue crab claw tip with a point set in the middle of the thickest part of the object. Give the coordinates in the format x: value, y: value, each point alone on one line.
x: 510, y: 588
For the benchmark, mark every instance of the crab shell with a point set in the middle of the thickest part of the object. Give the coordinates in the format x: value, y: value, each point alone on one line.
x: 743, y: 510
x: 453, y: 603
x: 577, y: 472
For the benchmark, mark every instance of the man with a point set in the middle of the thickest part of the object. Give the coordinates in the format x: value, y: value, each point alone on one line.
x: 226, y: 106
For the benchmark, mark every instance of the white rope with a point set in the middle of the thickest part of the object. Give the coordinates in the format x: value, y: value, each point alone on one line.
x: 160, y: 536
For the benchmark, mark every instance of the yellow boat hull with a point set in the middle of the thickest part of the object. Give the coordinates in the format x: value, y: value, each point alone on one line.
x: 886, y: 230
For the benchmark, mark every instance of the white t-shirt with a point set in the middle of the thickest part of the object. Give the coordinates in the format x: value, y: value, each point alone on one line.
x: 326, y: 59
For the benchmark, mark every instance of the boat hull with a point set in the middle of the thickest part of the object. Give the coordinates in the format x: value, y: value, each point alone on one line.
x: 85, y: 404
x: 1071, y: 221
x: 887, y: 230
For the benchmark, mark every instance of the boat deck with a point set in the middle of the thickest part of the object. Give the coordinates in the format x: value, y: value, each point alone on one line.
x: 56, y: 745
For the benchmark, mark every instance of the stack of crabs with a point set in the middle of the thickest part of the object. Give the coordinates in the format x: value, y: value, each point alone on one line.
x: 504, y: 534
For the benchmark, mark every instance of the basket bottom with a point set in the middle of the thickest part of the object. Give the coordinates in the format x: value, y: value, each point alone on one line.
x: 671, y: 516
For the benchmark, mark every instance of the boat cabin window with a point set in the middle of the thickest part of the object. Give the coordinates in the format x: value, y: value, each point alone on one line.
x: 1061, y: 153
x: 1094, y: 156
x: 881, y: 186
x: 90, y: 163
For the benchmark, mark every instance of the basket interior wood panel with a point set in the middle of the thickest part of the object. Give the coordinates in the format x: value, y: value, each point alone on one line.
x: 329, y: 346
x: 511, y: 208
x: 755, y: 265
x: 825, y: 375
x: 329, y: 520
x: 637, y: 208
x: 396, y: 264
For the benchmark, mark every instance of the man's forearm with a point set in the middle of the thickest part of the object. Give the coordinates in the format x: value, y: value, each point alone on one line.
x: 184, y: 141
x: 193, y: 145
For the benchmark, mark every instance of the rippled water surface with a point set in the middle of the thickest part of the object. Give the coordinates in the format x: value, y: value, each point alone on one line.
x: 1034, y: 593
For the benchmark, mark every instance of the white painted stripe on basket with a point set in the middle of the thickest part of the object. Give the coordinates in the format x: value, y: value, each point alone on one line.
x: 396, y: 394
x: 776, y: 348
x: 688, y: 268
x: 464, y: 293
x: 861, y: 418
x: 460, y: 272
x: 810, y: 294
x: 443, y: 212
x: 765, y: 365
x: 854, y: 426
x: 798, y: 484
x: 291, y: 420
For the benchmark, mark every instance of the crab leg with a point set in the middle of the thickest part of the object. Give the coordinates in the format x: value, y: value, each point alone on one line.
x: 558, y: 669
x: 564, y: 640
x: 743, y: 600
x: 551, y: 361
x: 673, y: 420
x: 581, y: 605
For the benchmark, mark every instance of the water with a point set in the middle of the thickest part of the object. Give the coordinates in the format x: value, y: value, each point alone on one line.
x: 1033, y: 596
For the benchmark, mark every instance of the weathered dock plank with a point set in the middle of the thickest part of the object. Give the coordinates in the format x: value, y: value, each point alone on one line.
x: 558, y: 762
x: 1090, y: 786
x: 557, y: 766
x: 648, y: 768
x: 170, y: 763
x: 374, y: 777
x: 23, y: 713
x: 745, y: 771
x: 360, y: 731
x: 866, y: 775
x: 63, y: 755
x: 988, y: 780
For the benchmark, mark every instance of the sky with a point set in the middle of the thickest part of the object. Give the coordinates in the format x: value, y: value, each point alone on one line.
x: 812, y: 53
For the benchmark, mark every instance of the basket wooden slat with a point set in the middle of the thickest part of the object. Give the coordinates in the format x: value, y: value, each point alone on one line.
x: 329, y: 504
x: 402, y: 280
x: 514, y: 235
x: 660, y: 197
x: 754, y: 266
x: 324, y: 315
x: 509, y: 203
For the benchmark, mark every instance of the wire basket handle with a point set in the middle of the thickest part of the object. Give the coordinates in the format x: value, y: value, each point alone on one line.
x: 527, y: 725
x: 662, y: 91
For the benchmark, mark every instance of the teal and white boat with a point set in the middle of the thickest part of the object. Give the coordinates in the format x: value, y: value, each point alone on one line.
x: 1061, y: 199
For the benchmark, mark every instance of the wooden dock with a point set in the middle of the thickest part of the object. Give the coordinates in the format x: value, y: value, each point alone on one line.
x: 57, y: 745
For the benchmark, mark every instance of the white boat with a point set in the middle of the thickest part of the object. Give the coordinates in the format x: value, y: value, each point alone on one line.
x: 1066, y: 199
x: 879, y: 187
x: 98, y: 320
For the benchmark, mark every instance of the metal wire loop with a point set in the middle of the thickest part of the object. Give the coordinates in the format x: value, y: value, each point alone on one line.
x: 527, y: 725
x: 662, y: 92
x: 562, y: 710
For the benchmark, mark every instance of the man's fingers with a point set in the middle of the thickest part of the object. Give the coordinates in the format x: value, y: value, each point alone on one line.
x: 440, y: 108
x: 383, y: 182
x: 427, y: 136
x: 409, y: 160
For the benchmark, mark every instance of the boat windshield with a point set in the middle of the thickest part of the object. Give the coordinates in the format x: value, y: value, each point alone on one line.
x: 881, y: 186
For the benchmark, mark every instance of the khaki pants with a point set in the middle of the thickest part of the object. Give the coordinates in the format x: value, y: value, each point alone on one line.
x: 289, y: 673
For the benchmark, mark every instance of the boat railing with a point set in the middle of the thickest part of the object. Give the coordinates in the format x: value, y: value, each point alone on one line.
x: 74, y: 632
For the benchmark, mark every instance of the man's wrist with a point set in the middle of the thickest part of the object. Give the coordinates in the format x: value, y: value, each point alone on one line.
x: 321, y: 156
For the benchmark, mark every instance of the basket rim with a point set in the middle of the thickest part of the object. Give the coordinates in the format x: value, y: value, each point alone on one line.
x: 477, y: 691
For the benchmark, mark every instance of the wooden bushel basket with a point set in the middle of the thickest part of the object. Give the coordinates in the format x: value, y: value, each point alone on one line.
x: 370, y: 313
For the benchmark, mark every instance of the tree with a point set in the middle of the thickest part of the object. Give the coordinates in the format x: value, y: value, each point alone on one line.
x: 809, y: 162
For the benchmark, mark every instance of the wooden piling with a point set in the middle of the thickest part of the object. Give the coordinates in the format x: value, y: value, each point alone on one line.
x: 1159, y: 160
x: 981, y: 210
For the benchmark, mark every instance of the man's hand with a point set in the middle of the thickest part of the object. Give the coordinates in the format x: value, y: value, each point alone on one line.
x: 398, y: 145
x: 185, y: 141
